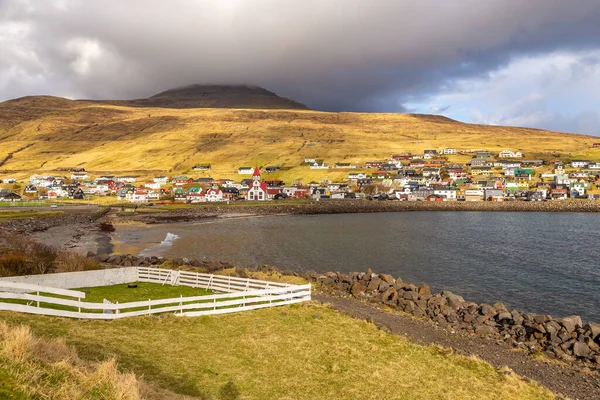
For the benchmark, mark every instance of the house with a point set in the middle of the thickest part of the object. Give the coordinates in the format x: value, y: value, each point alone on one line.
x: 481, y: 170
x: 523, y: 174
x: 417, y: 164
x: 478, y: 162
x: 491, y: 194
x: 483, y: 154
x: 230, y: 193
x: 579, y: 163
x: 561, y: 179
x: 309, y: 160
x: 138, y: 196
x: 594, y: 166
x: 448, y: 194
x: 596, y: 145
x: 257, y: 190
x: 510, y: 154
x: 373, y: 164
x: 401, y: 156
x: 507, y: 164
x: 126, y: 179
x: 430, y: 153
x: 7, y: 195
x: 448, y: 151
x: 431, y: 172
x: 214, y: 194
x: 30, y: 189
x: 364, y: 181
x: 179, y: 194
x: 535, y: 196
x: 78, y: 176
x: 9, y: 180
x: 533, y: 163
x: 245, y: 170
x: 318, y: 165
x: 152, y: 185
x: 181, y: 180
x: 195, y: 195
x: 436, y: 197
x: 559, y: 193
x: 163, y: 180
x: 201, y: 167
x: 272, y: 168
x: 577, y: 189
x: 357, y: 175
x: 344, y: 165
x: 206, y: 181
x: 473, y: 194
x: 558, y: 169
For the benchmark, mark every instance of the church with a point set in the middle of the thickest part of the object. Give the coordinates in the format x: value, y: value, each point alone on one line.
x: 258, y: 189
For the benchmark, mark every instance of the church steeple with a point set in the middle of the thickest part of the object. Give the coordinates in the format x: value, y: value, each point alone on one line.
x: 256, y: 175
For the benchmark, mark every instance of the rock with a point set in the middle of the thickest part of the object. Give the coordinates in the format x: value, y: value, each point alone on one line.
x: 500, y: 307
x: 374, y: 284
x: 410, y: 295
x: 485, y: 330
x: 552, y: 327
x: 517, y: 318
x: 571, y: 323
x: 390, y: 296
x: 454, y: 301
x: 383, y: 286
x: 594, y: 329
x: 504, y: 315
x: 127, y: 263
x: 580, y: 349
x: 487, y: 310
x: 102, y: 257
x: 387, y: 279
x: 358, y: 289
x: 424, y: 290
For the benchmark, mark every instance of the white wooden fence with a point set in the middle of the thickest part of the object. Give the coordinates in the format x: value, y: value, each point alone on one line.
x: 233, y: 294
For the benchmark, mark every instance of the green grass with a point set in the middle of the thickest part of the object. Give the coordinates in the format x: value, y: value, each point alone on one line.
x: 8, y: 215
x: 305, y: 351
x: 8, y: 386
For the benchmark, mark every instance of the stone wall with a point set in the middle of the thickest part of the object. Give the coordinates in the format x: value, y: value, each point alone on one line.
x: 567, y: 338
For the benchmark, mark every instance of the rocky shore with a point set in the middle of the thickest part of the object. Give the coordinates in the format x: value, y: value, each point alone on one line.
x: 567, y: 339
x: 364, y: 206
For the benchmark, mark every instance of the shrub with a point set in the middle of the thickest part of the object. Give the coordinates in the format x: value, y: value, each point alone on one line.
x: 13, y: 263
x: 68, y: 261
x: 42, y: 257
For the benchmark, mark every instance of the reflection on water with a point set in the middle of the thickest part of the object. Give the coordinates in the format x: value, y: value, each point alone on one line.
x: 537, y: 262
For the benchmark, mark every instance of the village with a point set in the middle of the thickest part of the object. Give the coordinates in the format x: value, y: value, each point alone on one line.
x: 429, y: 176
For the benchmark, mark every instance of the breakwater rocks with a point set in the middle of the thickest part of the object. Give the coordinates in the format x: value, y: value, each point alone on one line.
x: 567, y: 339
x: 364, y: 206
x: 129, y: 260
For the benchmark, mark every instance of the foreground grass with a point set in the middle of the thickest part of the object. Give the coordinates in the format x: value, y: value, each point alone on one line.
x: 306, y: 351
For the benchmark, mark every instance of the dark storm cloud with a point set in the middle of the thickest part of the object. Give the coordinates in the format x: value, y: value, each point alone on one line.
x: 374, y: 55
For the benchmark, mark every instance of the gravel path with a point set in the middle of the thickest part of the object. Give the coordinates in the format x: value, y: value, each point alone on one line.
x: 560, y: 379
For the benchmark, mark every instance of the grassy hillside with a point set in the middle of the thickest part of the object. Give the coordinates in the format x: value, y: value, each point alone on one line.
x: 42, y: 134
x: 305, y: 351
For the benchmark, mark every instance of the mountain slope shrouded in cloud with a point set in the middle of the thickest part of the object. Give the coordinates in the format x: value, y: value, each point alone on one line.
x: 213, y: 96
x: 336, y: 55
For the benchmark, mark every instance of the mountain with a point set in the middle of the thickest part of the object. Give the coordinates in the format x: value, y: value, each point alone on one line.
x: 213, y: 96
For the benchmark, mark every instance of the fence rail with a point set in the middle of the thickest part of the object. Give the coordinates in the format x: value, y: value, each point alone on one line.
x: 233, y: 294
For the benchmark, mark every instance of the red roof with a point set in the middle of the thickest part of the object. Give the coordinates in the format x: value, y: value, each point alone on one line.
x: 256, y: 171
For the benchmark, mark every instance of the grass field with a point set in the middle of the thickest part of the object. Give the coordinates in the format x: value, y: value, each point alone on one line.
x: 18, y: 214
x: 305, y: 351
x: 49, y: 134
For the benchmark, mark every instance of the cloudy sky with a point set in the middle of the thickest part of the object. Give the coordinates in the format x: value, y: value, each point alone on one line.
x: 532, y: 63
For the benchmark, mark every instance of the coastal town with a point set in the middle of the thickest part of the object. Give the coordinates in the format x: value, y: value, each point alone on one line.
x: 430, y: 176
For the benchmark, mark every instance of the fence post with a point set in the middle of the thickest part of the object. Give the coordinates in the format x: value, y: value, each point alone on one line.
x: 149, y: 305
x: 180, y: 304
x: 229, y: 283
x: 214, y: 304
x: 117, y: 308
x: 38, y: 302
x: 79, y: 308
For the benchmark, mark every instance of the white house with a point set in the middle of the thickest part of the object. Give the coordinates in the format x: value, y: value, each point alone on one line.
x: 579, y: 163
x: 358, y: 175
x: 310, y: 160
x: 163, y: 180
x: 449, y: 193
x: 214, y: 194
x: 126, y: 179
x: 317, y: 165
x: 510, y: 154
x: 138, y: 196
x: 448, y: 151
x: 79, y: 175
x: 245, y: 170
x: 152, y: 185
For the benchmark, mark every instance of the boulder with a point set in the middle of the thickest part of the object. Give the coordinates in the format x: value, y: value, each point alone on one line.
x: 485, y: 330
x: 390, y: 296
x: 387, y: 279
x: 102, y: 257
x: 571, y: 323
x: 424, y: 290
x: 552, y: 327
x: 504, y: 316
x: 487, y: 310
x: 373, y: 284
x: 383, y: 286
x: 358, y: 289
x: 410, y: 295
x: 500, y: 307
x: 580, y: 349
x: 594, y: 330
x: 454, y: 301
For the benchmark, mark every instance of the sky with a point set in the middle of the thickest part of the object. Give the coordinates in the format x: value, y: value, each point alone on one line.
x: 533, y: 63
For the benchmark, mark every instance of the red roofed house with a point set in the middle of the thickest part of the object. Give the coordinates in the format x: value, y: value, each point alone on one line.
x: 257, y: 189
x: 214, y: 194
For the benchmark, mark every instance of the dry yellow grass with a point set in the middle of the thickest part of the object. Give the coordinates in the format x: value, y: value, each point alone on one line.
x: 50, y: 369
x: 306, y: 351
x: 53, y: 134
